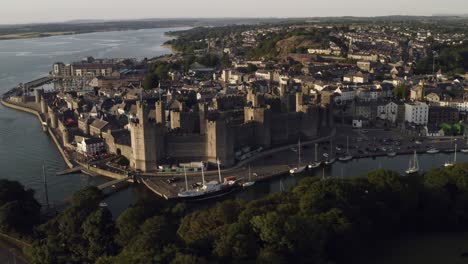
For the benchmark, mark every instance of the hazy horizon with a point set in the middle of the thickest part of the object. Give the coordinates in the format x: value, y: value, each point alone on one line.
x: 53, y: 11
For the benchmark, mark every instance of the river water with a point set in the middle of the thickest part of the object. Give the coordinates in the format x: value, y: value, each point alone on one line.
x: 353, y: 168
x: 24, y: 148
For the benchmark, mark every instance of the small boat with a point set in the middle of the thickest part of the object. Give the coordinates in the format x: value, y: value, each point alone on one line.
x: 433, y: 151
x: 346, y: 157
x: 413, y: 165
x: 299, y: 168
x: 465, y: 150
x: 391, y: 154
x: 452, y: 163
x: 330, y: 161
x: 316, y: 163
x: 250, y: 182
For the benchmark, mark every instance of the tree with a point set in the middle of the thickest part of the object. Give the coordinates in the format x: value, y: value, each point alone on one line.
x: 19, y: 210
x: 401, y: 91
x: 99, y: 231
x: 187, y: 259
x: 251, y: 68
x: 87, y: 198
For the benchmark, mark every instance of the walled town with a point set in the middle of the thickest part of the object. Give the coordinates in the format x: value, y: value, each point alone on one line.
x: 231, y: 95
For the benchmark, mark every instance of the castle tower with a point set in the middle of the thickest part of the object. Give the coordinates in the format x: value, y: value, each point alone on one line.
x: 65, y: 136
x: 43, y: 105
x: 299, y: 102
x: 202, y: 112
x: 161, y: 112
x: 37, y: 95
x: 220, y: 142
x: 53, y: 119
x: 147, y: 139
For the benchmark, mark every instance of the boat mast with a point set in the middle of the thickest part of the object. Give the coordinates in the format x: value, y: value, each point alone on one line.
x: 455, y: 154
x: 186, y: 182
x: 347, y: 145
x: 203, y: 173
x: 316, y: 152
x: 416, y: 163
x: 219, y: 171
x: 299, y: 153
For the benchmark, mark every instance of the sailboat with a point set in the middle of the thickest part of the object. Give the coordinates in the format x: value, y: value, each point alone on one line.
x: 449, y: 163
x: 316, y: 163
x: 330, y: 158
x: 465, y: 149
x: 347, y: 156
x: 299, y: 168
x: 413, y: 165
x: 250, y: 182
x: 208, y: 190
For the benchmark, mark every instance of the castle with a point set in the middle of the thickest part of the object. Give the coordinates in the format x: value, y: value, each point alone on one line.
x: 198, y: 134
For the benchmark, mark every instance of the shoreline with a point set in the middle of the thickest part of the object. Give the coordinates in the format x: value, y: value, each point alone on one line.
x: 39, y: 35
x: 49, y: 131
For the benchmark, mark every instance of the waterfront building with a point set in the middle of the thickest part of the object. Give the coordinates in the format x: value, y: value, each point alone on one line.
x: 417, y: 113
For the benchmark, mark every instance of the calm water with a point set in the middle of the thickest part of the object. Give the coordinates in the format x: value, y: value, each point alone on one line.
x: 351, y: 169
x: 24, y: 148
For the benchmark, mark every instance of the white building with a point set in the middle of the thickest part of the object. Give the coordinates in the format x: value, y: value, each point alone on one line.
x: 90, y: 146
x: 388, y: 112
x: 417, y: 113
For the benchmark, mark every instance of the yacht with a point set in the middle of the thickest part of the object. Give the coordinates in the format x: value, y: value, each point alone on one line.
x: 391, y: 154
x: 465, y: 149
x: 299, y: 168
x: 250, y: 182
x: 347, y: 157
x: 207, y: 190
x: 433, y: 151
x: 330, y: 158
x: 413, y: 165
x: 451, y: 163
x: 316, y: 163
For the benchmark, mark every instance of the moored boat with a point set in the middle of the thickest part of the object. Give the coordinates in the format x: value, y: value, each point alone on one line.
x: 330, y: 161
x: 432, y: 151
x: 316, y: 163
x: 299, y: 168
x: 452, y: 163
x: 346, y: 157
x: 413, y: 165
x: 208, y: 190
x: 250, y: 182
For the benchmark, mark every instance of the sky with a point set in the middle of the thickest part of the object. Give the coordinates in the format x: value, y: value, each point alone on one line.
x: 27, y: 11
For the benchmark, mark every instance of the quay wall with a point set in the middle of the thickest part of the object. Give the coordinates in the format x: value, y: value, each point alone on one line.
x: 104, y: 173
x: 52, y: 135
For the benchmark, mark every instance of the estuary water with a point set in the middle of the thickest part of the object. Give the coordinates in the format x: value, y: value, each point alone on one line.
x: 24, y: 148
